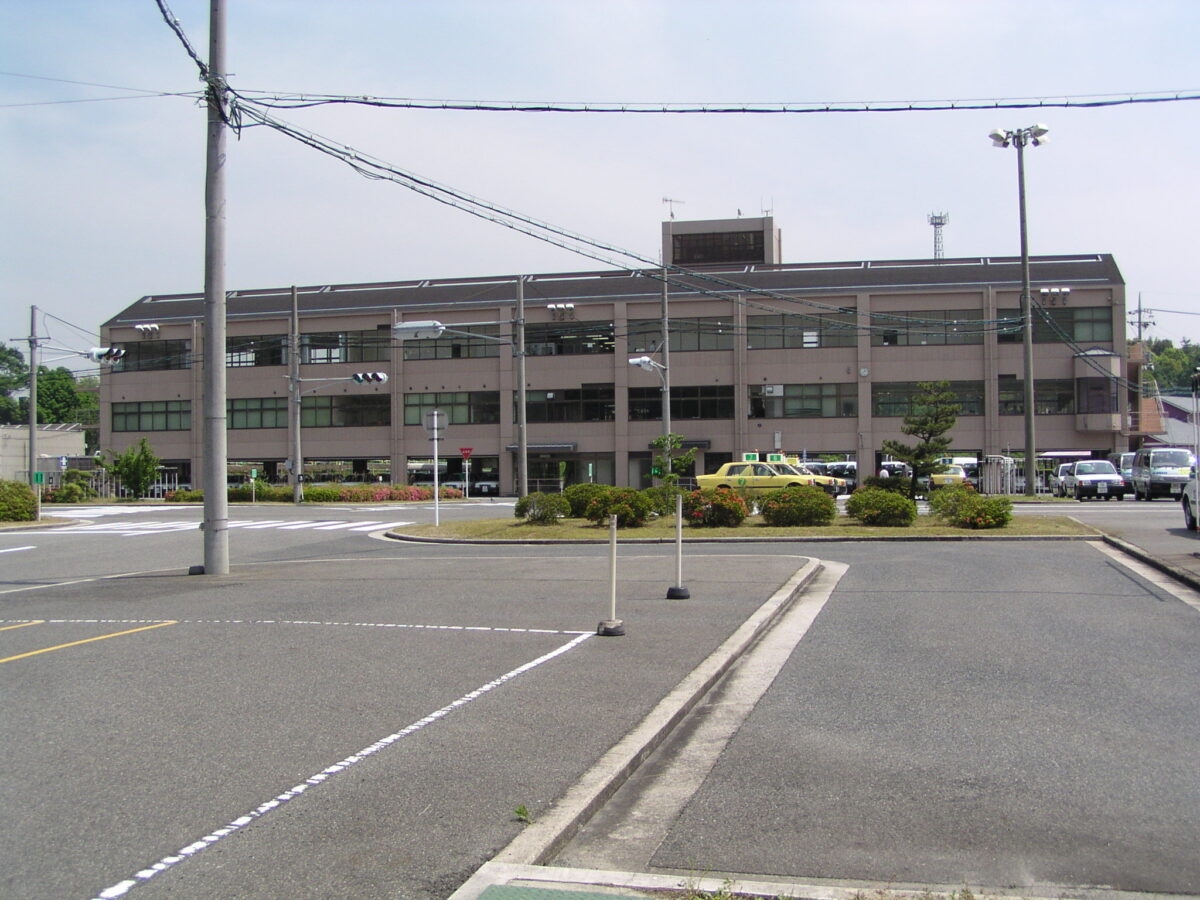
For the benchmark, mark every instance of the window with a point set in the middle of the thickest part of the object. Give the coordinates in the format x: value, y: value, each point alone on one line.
x: 152, y: 415
x: 718, y: 247
x: 146, y: 356
x: 568, y: 338
x: 460, y: 407
x: 348, y: 411
x: 257, y: 412
x: 464, y: 345
x: 709, y: 333
x: 256, y: 350
x: 897, y: 398
x: 345, y: 347
x: 590, y: 403
x: 1051, y: 396
x: 1079, y: 324
x: 1096, y: 395
x: 935, y: 327
x: 804, y: 401
x: 709, y: 401
x: 786, y: 331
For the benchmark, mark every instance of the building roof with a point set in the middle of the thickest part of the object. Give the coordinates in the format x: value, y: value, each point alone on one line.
x: 831, y: 278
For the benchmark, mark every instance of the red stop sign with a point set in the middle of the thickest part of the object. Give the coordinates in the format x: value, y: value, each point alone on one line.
x: 465, y: 451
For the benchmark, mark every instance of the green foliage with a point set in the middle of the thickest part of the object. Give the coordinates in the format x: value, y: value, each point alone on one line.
x: 581, y: 494
x: 14, y: 376
x: 65, y: 493
x: 935, y: 412
x: 542, y: 509
x: 136, y: 467
x: 662, y: 497
x: 714, y: 508
x: 184, y: 496
x: 1173, y: 366
x: 801, y: 505
x: 963, y: 508
x: 875, y: 506
x: 18, y: 503
x: 895, y: 485
x: 668, y: 461
x: 630, y: 506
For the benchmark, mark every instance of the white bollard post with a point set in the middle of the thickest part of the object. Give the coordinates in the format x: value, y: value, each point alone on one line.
x: 612, y: 626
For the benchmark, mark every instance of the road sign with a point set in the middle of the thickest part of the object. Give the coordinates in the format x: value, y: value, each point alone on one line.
x: 465, y: 451
x: 39, y: 477
x: 434, y: 421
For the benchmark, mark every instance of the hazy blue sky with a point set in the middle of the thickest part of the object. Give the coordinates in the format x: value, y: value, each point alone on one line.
x: 103, y: 200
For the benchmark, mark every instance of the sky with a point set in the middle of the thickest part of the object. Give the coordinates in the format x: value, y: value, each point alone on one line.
x: 102, y: 140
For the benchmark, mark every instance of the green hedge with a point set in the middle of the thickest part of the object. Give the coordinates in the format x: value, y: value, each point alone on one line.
x: 18, y: 502
x: 879, y: 506
x: 797, y: 506
x: 714, y: 508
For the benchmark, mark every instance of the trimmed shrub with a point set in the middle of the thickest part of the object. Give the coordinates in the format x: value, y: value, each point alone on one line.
x: 800, y: 505
x: 714, y: 508
x: 18, y: 502
x: 188, y: 496
x: 581, y: 494
x: 895, y: 484
x: 71, y: 492
x: 945, y: 501
x: 877, y: 506
x: 662, y: 498
x: 542, y: 509
x: 630, y: 506
x: 977, y: 511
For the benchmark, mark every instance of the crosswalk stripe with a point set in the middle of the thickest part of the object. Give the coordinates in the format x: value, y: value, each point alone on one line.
x: 381, y: 527
x: 337, y: 526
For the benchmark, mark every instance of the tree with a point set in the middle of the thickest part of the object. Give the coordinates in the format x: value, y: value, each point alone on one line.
x: 137, y: 468
x: 935, y: 412
x: 666, y: 464
x: 14, y: 376
x: 59, y: 400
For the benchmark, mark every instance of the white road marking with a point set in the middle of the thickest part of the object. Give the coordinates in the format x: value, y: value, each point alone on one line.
x: 141, y: 877
x: 15, y: 549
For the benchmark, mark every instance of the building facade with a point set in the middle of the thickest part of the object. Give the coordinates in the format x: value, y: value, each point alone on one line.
x: 816, y: 359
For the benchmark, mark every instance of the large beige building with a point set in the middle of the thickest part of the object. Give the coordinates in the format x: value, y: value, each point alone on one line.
x: 810, y: 358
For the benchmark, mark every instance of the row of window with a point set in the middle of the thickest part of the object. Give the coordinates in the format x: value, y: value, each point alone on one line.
x: 1081, y: 324
x: 597, y: 403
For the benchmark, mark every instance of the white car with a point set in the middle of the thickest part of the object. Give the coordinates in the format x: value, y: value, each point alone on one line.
x: 1191, y: 504
x: 1058, y: 479
x: 1096, y: 478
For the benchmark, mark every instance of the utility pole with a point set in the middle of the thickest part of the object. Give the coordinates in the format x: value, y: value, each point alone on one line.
x: 522, y: 434
x: 216, y: 496
x: 33, y: 405
x: 294, y: 400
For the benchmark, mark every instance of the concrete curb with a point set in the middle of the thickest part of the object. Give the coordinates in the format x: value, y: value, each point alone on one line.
x: 540, y: 841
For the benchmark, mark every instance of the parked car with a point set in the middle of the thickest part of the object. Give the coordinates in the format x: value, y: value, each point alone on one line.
x: 1191, y: 504
x: 751, y: 476
x: 1058, y: 479
x: 1161, y: 472
x: 828, y: 483
x: 847, y: 471
x: 1097, y: 478
x: 950, y: 475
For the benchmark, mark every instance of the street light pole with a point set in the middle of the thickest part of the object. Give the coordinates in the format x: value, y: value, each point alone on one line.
x: 1036, y: 135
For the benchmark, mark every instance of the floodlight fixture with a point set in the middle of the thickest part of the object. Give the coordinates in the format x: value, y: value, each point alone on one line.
x: 420, y: 330
x: 646, y: 363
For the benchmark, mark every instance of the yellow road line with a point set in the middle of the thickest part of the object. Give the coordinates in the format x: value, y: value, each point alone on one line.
x: 23, y: 625
x: 102, y: 637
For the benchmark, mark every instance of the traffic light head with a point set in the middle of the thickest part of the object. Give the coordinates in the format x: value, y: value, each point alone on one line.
x: 105, y: 354
x: 369, y: 377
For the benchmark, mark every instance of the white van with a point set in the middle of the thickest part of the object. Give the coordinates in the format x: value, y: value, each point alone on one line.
x: 1161, y: 472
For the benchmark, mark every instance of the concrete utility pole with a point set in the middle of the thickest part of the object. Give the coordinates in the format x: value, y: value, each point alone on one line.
x: 216, y: 497
x: 522, y: 422
x: 294, y: 398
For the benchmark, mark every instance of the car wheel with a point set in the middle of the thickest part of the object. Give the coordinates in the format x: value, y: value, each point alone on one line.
x: 1189, y: 516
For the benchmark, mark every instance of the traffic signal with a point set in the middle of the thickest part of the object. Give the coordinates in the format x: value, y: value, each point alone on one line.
x: 369, y: 377
x: 105, y: 354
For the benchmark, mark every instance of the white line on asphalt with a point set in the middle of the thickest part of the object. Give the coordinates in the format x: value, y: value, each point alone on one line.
x: 1153, y: 575
x: 141, y: 877
x: 15, y: 549
x: 253, y: 523
x: 338, y: 526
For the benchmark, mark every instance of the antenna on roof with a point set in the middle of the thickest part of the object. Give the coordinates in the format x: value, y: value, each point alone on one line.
x: 671, y: 204
x: 938, y: 221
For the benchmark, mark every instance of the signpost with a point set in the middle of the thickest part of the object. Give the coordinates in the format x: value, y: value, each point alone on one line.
x: 434, y: 424
x: 466, y: 456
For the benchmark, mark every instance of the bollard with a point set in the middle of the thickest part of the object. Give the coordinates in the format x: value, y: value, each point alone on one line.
x: 612, y: 626
x: 678, y: 591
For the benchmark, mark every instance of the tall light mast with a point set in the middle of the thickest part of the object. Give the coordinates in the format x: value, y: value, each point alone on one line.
x: 938, y: 221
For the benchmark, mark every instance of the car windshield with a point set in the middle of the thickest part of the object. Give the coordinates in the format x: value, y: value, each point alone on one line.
x: 1102, y: 467
x: 1177, y: 458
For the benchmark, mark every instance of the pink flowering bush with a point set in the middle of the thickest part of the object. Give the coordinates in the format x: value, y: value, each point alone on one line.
x: 714, y: 508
